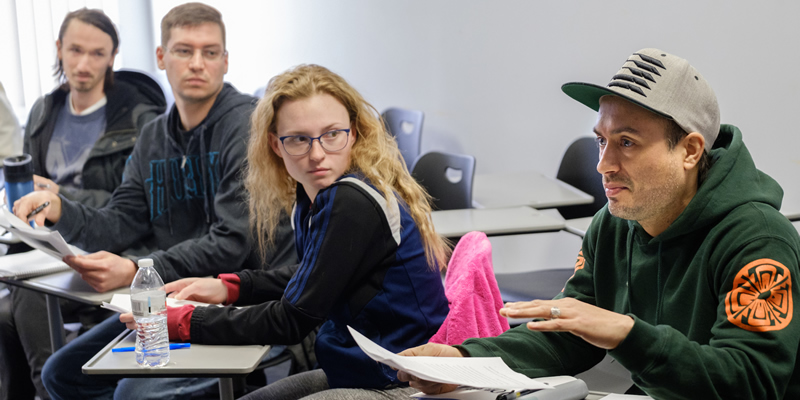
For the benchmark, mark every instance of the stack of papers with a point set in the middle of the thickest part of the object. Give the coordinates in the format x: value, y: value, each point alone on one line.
x: 30, y: 264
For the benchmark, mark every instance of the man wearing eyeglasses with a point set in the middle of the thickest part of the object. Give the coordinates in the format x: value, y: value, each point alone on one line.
x: 182, y: 186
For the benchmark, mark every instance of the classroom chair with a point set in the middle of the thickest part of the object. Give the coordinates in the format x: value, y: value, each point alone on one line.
x: 406, y: 127
x: 447, y: 177
x: 579, y: 169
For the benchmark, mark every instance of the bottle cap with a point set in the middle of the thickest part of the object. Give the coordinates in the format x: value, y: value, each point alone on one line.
x: 145, y: 262
x: 18, y: 168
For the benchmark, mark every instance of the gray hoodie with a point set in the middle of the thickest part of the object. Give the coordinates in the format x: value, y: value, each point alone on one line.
x: 182, y: 192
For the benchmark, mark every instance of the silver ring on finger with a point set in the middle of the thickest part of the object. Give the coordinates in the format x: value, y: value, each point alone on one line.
x: 555, y: 312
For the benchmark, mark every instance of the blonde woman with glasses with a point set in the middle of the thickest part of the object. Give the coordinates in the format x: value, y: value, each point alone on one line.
x: 369, y: 256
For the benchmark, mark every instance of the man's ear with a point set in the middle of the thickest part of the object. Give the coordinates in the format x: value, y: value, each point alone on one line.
x: 694, y: 144
x: 160, y: 57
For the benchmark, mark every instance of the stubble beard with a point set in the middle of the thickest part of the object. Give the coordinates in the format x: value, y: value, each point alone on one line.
x: 651, y: 202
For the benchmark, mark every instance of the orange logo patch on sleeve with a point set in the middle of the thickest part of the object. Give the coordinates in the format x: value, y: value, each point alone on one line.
x: 578, y: 265
x: 761, y: 299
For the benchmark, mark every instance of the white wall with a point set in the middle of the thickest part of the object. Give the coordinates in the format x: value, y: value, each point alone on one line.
x: 488, y: 74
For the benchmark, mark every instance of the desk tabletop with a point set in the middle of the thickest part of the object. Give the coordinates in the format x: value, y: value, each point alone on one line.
x: 790, y: 206
x: 494, y: 221
x: 578, y: 226
x: 517, y: 254
x: 534, y: 266
x: 785, y: 171
x: 67, y: 284
x: 198, y: 360
x: 528, y: 188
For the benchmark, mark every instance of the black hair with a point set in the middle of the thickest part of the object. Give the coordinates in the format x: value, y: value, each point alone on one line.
x: 99, y: 20
x: 674, y: 135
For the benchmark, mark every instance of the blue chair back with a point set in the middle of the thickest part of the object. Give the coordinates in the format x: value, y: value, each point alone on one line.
x: 406, y: 127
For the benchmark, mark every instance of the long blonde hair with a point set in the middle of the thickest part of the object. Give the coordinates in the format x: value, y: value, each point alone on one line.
x: 271, y: 189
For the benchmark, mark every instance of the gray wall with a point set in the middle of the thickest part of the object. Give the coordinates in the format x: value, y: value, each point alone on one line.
x: 488, y: 74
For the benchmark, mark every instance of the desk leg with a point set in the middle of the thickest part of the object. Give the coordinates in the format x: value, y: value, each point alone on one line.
x: 226, y: 388
x: 55, y: 321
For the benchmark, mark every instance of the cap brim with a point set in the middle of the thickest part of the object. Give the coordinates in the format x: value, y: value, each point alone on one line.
x: 589, y: 94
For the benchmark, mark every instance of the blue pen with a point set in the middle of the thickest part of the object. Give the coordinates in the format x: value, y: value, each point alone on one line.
x: 172, y: 346
x: 515, y: 394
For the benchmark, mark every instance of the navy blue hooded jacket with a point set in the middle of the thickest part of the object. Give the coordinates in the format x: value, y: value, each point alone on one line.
x: 362, y: 263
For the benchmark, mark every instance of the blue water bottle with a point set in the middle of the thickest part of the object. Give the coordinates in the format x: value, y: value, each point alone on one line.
x: 18, y: 171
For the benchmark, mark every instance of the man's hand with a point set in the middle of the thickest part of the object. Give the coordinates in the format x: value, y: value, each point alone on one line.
x: 30, y: 201
x: 428, y: 350
x: 598, y: 326
x: 102, y: 270
x: 206, y: 290
x: 42, y: 183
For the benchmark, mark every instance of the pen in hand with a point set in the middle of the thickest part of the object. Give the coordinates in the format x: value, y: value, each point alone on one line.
x: 172, y: 346
x: 43, y: 185
x: 37, y: 210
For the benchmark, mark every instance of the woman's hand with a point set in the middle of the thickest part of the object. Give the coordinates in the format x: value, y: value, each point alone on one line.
x: 128, y: 320
x: 206, y: 290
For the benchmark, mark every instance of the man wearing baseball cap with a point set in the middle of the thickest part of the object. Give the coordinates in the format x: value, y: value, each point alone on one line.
x: 688, y: 276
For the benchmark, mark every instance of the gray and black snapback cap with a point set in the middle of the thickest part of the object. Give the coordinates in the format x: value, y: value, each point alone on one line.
x: 662, y: 83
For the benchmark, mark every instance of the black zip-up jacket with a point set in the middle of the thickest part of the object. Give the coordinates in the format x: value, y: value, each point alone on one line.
x: 133, y: 100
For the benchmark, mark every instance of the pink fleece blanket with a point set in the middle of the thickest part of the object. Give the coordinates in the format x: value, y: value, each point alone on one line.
x: 472, y: 292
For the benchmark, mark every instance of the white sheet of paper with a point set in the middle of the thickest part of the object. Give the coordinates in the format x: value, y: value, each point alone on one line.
x: 40, y: 238
x: 460, y: 394
x: 484, y: 372
x: 121, y: 303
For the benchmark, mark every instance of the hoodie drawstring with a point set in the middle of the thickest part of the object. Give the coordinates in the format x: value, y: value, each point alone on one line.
x: 206, y: 181
x: 167, y: 173
x: 205, y: 184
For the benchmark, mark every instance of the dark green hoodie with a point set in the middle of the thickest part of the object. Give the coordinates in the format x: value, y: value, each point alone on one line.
x: 712, y: 296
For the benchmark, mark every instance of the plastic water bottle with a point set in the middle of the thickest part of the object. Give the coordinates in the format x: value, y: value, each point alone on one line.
x: 149, y: 306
